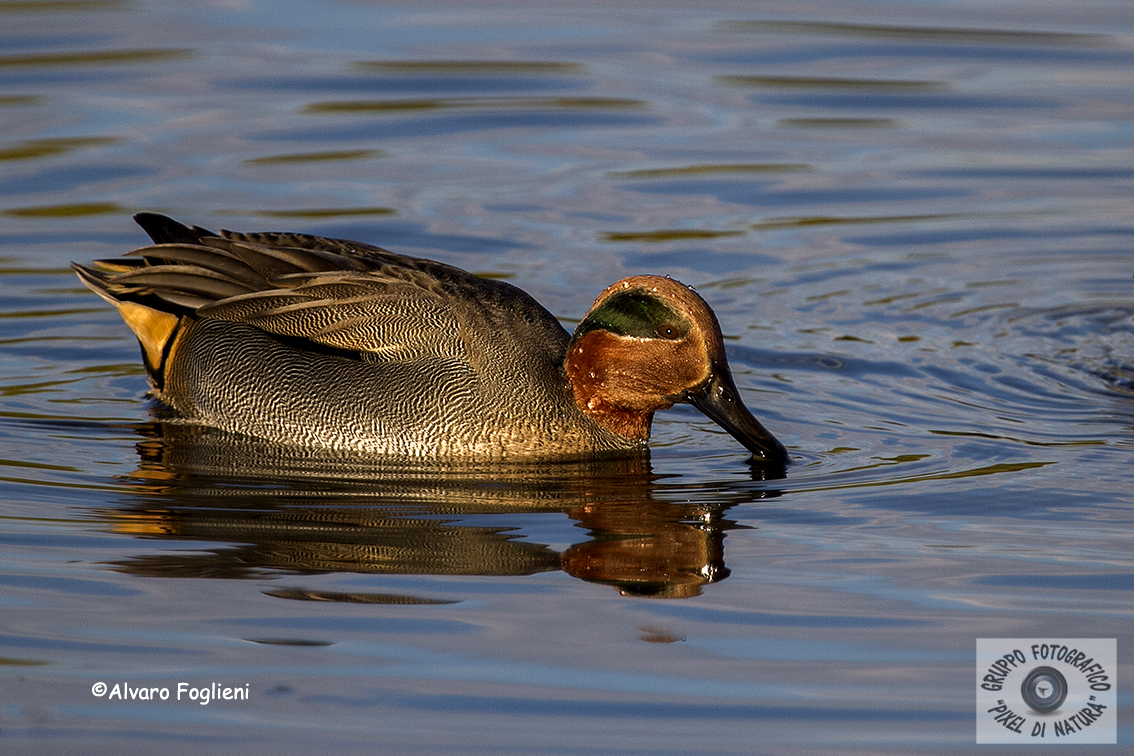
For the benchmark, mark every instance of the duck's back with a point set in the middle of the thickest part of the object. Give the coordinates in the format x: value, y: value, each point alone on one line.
x: 324, y: 342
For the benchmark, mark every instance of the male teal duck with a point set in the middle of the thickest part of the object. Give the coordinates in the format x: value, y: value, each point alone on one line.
x: 331, y: 343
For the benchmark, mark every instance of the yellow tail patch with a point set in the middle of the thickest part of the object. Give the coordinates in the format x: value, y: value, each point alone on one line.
x: 153, y: 328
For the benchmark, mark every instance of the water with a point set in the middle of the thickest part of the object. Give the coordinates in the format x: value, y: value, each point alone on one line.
x: 913, y: 221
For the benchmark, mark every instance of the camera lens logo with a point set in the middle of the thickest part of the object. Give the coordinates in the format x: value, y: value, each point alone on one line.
x: 1044, y: 689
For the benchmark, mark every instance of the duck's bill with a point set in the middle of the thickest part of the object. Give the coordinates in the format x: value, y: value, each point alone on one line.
x: 720, y: 401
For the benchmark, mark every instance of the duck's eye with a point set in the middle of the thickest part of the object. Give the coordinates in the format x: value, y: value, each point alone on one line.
x: 636, y: 314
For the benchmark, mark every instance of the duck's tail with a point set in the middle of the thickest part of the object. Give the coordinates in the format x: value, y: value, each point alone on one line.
x: 155, y: 319
x: 156, y: 329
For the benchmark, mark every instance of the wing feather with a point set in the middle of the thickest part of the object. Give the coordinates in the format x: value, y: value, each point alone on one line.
x: 330, y: 292
x: 362, y: 313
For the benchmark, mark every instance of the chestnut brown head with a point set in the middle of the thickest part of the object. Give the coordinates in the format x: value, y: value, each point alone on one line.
x: 649, y: 342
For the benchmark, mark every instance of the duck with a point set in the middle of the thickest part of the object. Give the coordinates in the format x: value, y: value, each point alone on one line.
x: 320, y: 342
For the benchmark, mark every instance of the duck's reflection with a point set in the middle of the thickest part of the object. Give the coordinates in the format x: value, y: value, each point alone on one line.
x: 307, y: 511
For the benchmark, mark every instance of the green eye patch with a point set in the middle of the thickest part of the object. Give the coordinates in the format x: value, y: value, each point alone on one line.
x: 638, y: 314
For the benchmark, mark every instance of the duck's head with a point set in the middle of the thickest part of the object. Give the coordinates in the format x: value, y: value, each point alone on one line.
x: 650, y: 342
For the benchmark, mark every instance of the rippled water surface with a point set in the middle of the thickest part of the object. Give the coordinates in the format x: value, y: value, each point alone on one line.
x: 913, y: 220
